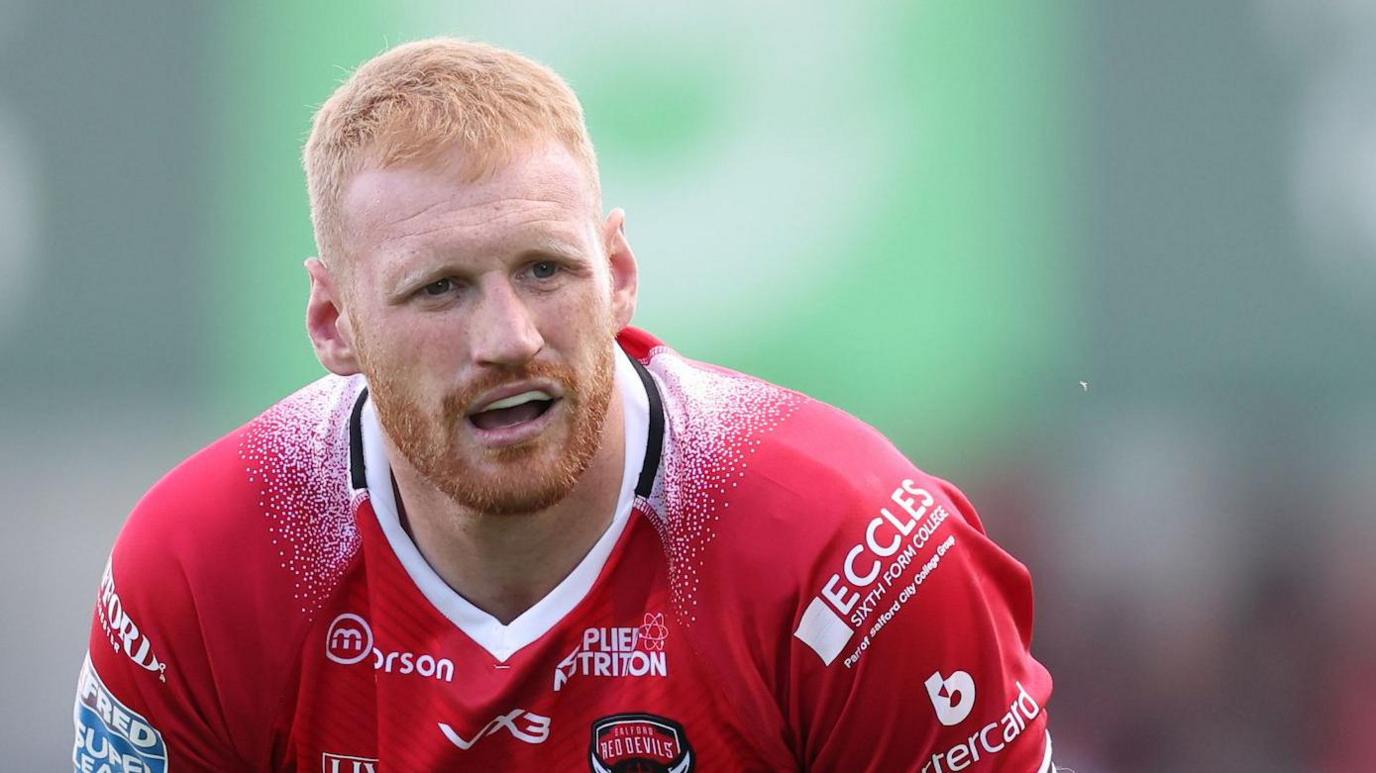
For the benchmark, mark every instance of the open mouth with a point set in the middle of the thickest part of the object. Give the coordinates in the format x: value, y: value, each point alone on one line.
x: 513, y: 411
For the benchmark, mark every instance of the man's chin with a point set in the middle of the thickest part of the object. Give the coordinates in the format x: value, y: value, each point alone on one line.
x: 508, y: 497
x: 520, y: 455
x: 517, y: 480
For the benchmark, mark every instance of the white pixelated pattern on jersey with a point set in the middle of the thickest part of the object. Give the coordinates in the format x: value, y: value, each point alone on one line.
x: 298, y: 454
x: 716, y: 420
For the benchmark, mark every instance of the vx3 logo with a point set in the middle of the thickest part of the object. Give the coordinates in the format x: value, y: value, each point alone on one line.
x: 533, y: 728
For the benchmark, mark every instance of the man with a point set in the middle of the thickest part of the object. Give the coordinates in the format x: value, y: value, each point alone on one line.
x: 512, y: 531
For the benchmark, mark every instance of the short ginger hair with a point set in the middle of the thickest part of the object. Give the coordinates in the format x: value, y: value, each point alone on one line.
x: 411, y: 103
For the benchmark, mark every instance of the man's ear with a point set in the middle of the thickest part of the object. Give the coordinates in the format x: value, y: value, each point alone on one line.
x: 329, y: 327
x: 625, y: 273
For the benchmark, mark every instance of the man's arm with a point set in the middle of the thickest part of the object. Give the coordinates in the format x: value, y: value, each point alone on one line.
x: 911, y: 648
x: 145, y: 697
x: 184, y: 668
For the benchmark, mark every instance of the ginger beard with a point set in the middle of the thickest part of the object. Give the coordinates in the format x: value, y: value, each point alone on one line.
x: 530, y: 476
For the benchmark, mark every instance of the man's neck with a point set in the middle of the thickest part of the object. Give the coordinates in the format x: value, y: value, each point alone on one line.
x: 504, y: 564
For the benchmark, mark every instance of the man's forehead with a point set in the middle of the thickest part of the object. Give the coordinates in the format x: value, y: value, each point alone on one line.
x: 540, y: 190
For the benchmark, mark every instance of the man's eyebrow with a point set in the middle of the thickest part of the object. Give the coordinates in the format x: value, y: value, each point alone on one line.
x: 548, y: 242
x: 519, y: 243
x: 552, y: 250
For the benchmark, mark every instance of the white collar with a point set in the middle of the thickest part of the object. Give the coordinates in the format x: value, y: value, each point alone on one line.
x: 502, y: 641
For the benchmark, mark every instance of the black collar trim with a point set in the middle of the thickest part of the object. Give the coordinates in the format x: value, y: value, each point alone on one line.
x: 358, y: 477
x: 654, y: 440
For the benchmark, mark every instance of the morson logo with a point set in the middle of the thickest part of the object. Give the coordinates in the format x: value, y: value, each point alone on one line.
x: 350, y: 640
x: 123, y: 633
x: 640, y: 743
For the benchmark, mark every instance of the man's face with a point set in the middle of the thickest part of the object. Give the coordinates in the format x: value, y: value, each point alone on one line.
x: 483, y: 315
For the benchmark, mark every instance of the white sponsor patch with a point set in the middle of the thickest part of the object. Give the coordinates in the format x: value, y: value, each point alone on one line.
x: 879, y: 575
x: 823, y: 630
x: 111, y: 737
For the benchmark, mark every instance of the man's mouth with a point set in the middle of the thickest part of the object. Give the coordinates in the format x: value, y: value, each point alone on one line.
x: 513, y: 410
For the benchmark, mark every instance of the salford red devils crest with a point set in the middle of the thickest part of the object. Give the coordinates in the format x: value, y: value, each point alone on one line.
x: 640, y: 743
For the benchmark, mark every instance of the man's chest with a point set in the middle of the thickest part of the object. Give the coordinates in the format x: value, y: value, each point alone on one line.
x: 619, y: 684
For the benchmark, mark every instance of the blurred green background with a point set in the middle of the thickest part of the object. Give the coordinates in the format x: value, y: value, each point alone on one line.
x: 1108, y: 266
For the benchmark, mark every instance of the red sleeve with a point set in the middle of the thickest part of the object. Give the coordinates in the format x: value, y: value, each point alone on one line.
x: 146, y: 697
x: 912, y: 643
x: 191, y: 643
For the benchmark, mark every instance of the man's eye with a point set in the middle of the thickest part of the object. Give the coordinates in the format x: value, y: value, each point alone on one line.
x: 544, y: 269
x: 438, y: 287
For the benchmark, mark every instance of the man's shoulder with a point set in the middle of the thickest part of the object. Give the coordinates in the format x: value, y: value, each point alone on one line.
x: 818, y: 483
x: 220, y: 570
x: 734, y: 437
x: 272, y: 495
x: 754, y: 474
x: 292, y: 459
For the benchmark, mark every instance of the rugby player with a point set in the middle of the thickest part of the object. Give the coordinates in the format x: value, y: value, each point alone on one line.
x: 511, y: 531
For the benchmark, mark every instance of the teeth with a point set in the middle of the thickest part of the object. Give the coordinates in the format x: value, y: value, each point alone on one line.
x: 515, y: 400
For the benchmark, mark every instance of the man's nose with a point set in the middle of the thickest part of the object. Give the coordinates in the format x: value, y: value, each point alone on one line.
x: 504, y: 332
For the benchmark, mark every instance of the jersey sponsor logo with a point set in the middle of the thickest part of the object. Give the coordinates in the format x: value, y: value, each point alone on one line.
x: 652, y: 633
x: 640, y: 743
x: 349, y: 640
x: 521, y: 724
x: 634, y: 651
x: 343, y: 763
x: 120, y: 628
x: 990, y: 739
x: 952, y: 696
x: 111, y: 737
x: 875, y: 569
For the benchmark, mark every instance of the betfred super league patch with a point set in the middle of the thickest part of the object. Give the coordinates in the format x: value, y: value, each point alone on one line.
x: 111, y: 737
x: 640, y: 743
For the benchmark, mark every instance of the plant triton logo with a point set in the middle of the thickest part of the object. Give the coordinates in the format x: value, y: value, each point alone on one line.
x: 619, y: 651
x: 952, y: 696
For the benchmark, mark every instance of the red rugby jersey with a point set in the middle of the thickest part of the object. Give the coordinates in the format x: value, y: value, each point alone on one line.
x: 779, y: 590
